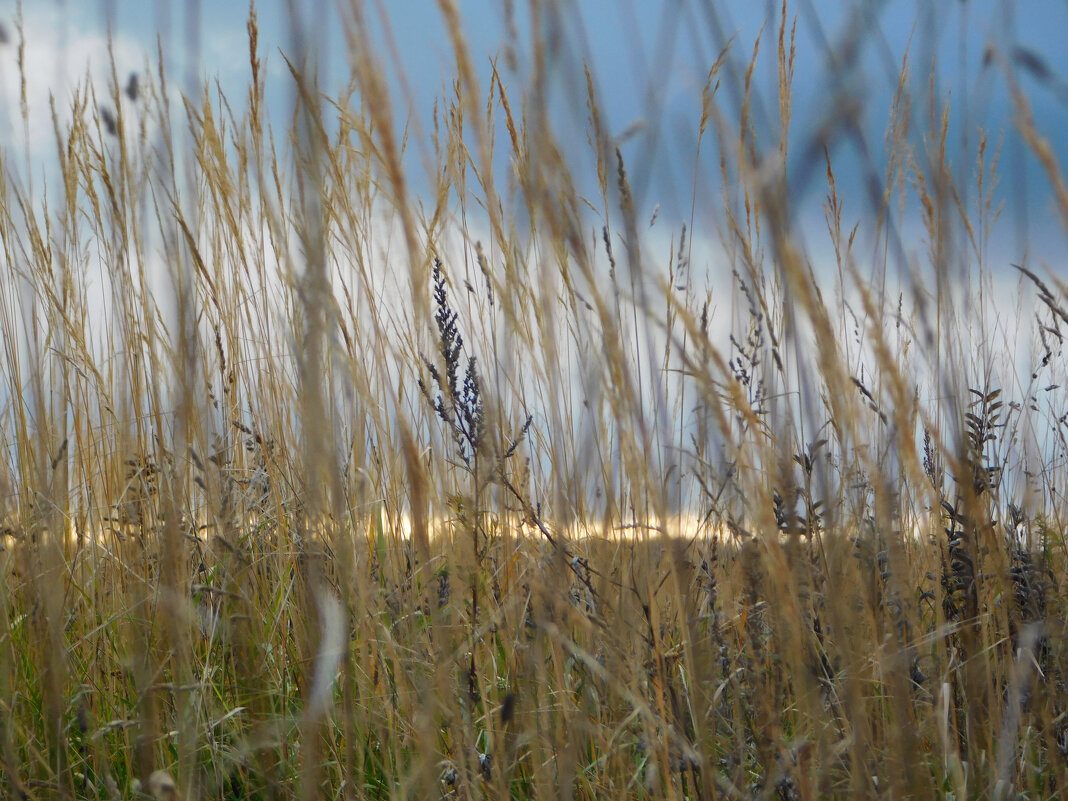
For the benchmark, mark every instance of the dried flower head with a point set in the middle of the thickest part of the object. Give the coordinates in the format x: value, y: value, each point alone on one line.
x: 162, y: 787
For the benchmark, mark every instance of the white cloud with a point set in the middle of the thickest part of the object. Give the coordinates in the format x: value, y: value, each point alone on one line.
x: 61, y: 56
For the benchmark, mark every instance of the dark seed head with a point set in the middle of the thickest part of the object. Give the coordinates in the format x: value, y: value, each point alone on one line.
x: 108, y: 119
x: 133, y: 87
x: 507, y: 709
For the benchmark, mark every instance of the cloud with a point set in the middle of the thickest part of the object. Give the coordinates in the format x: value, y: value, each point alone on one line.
x: 61, y: 56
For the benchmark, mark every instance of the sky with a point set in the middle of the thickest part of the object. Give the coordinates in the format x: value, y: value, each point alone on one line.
x: 649, y: 61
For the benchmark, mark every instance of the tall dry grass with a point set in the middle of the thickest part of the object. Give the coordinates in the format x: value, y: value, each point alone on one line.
x: 321, y: 486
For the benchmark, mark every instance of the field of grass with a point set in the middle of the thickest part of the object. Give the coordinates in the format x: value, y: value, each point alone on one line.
x: 318, y: 485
